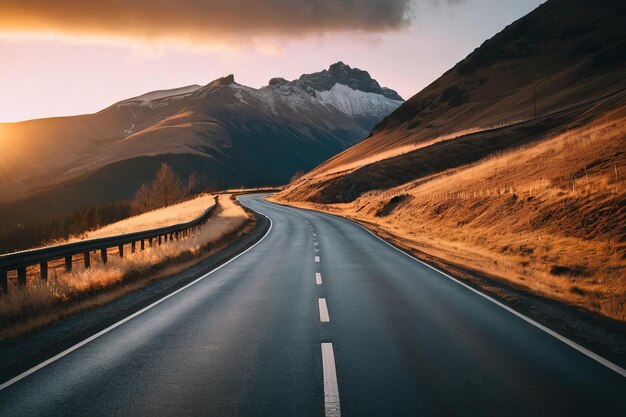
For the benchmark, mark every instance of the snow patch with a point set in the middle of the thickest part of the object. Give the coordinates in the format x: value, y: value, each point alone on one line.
x: 356, y: 103
x: 145, y: 99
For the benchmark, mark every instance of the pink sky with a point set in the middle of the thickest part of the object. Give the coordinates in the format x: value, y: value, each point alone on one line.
x: 43, y: 76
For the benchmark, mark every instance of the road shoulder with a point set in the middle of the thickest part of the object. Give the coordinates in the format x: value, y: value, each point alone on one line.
x: 21, y: 353
x: 601, y: 335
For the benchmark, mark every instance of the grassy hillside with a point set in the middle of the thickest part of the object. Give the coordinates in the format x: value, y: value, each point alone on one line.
x: 64, y: 293
x: 565, y: 53
x: 467, y: 175
x: 549, y: 217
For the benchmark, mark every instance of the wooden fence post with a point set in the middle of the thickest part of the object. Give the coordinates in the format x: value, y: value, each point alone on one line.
x: 21, y: 276
x: 68, y: 263
x: 43, y: 270
x: 4, y: 281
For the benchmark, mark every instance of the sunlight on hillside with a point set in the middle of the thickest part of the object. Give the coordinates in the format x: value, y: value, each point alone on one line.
x: 166, y: 216
x: 62, y: 287
x: 8, y: 145
x: 548, y: 216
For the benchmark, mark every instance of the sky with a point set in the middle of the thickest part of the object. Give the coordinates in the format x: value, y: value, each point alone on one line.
x: 63, y: 57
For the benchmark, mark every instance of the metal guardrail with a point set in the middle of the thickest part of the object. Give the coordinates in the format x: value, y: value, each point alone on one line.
x: 19, y: 261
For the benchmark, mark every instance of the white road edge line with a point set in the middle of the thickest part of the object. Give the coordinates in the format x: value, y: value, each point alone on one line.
x: 603, y: 361
x: 317, y: 259
x: 318, y: 278
x: 332, y: 407
x: 132, y: 316
x: 324, y: 317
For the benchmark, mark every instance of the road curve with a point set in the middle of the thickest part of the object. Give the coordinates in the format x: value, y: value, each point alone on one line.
x: 321, y: 318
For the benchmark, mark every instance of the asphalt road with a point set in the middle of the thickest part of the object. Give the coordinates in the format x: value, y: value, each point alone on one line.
x: 361, y: 330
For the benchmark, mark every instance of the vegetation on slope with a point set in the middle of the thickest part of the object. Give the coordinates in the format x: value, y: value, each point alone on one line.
x: 40, y: 303
x: 165, y: 189
x: 564, y: 53
x: 549, y: 217
x: 510, y: 165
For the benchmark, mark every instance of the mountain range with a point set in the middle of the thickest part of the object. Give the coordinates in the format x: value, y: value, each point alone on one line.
x: 227, y: 133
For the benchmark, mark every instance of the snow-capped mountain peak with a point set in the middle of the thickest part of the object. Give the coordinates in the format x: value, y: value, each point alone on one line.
x: 350, y: 90
x: 357, y: 103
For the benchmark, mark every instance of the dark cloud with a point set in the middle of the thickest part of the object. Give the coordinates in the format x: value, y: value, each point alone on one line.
x: 204, y: 20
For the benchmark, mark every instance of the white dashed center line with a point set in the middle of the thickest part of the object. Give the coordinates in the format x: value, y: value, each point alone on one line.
x: 317, y: 259
x: 331, y: 390
x: 318, y: 278
x: 324, y: 318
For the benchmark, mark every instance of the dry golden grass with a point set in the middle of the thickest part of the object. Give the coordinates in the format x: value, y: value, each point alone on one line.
x: 549, y: 217
x: 404, y: 149
x: 63, y: 287
x: 177, y: 213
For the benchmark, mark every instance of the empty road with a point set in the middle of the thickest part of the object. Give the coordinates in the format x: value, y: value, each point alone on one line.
x: 321, y: 318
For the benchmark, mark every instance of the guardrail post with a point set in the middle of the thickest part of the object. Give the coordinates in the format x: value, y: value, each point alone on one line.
x: 133, y: 247
x: 159, y: 240
x: 121, y: 250
x: 87, y: 259
x: 21, y: 276
x: 43, y: 270
x: 165, y: 236
x: 142, y: 245
x: 68, y: 263
x: 103, y: 255
x: 4, y: 281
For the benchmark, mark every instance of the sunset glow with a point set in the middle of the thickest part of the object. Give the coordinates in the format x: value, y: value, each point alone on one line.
x: 81, y: 61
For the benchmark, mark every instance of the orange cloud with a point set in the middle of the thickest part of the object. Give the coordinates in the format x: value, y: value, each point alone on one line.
x: 200, y: 21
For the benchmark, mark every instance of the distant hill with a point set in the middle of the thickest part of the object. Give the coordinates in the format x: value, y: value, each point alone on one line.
x: 229, y: 134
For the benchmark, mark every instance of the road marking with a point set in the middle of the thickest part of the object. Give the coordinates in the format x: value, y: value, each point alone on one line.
x: 612, y: 366
x: 318, y: 278
x: 594, y: 356
x: 332, y: 407
x: 315, y: 243
x: 324, y: 317
x: 317, y: 259
x: 132, y: 316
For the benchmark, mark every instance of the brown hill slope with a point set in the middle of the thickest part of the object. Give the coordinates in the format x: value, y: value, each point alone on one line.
x: 540, y: 202
x: 567, y: 51
x: 549, y: 217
